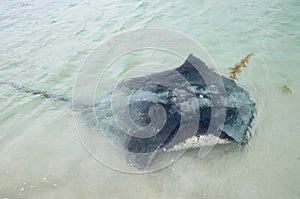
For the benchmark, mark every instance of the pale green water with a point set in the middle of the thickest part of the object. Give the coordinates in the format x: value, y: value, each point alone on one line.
x: 44, y: 43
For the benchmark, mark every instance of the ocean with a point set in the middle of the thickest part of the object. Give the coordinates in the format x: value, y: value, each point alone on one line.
x: 44, y: 45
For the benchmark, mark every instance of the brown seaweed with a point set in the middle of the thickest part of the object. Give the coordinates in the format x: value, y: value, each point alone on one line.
x: 238, y: 66
x: 286, y: 89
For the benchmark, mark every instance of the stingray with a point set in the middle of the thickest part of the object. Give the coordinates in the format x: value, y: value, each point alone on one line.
x: 186, y: 107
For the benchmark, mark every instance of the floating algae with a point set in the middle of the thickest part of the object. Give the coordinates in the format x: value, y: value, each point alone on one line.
x: 286, y: 89
x: 238, y: 66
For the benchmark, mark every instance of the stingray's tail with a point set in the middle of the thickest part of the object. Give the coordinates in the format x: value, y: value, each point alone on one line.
x: 43, y: 94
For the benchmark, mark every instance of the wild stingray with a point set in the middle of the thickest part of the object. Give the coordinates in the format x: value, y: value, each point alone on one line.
x: 169, y: 109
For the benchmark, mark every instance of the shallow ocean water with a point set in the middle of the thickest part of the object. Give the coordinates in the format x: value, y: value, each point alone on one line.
x: 44, y: 44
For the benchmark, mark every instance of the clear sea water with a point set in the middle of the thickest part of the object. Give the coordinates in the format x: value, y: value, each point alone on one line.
x: 44, y: 43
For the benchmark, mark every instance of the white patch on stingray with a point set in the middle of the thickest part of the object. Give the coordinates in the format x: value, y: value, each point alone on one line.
x: 198, y: 142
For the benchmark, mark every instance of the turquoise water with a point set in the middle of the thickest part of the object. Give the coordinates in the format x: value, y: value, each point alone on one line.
x: 43, y: 45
